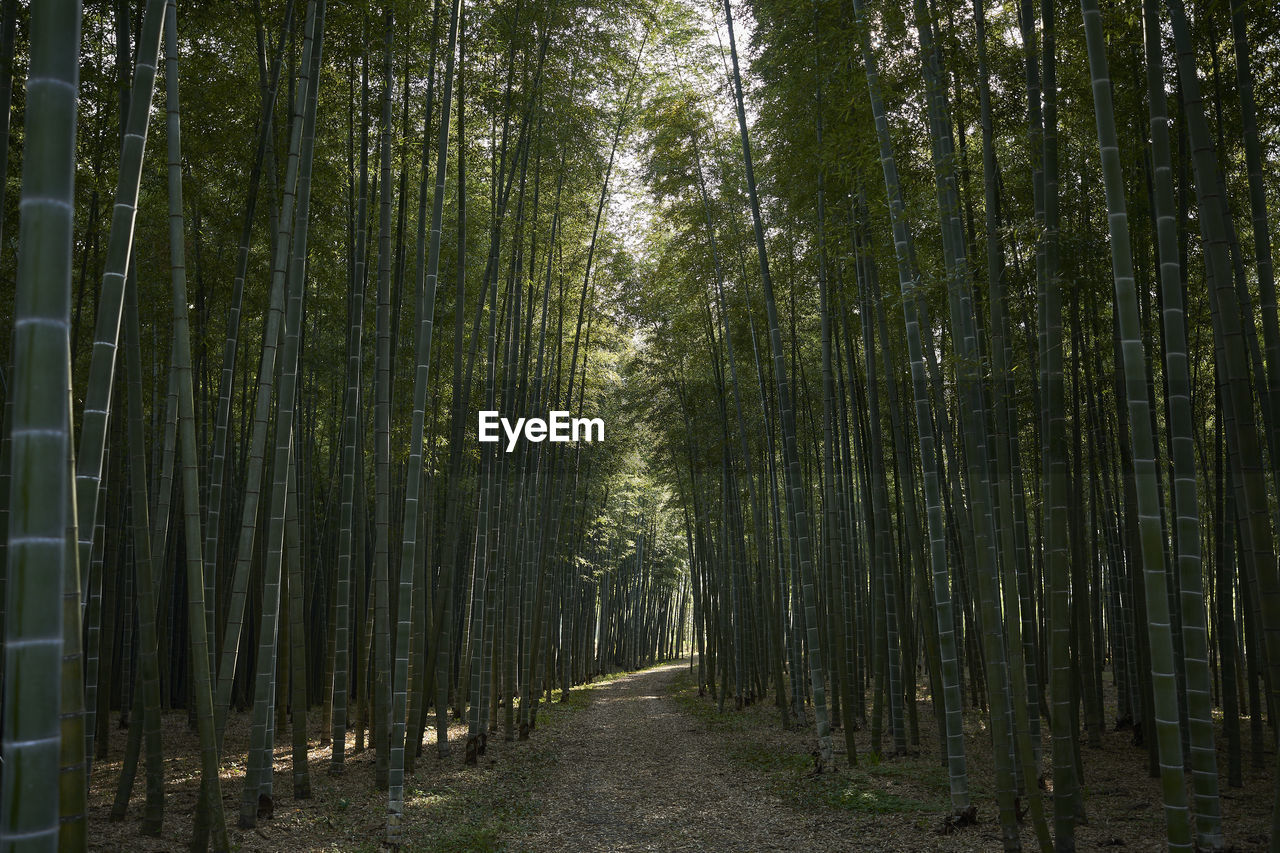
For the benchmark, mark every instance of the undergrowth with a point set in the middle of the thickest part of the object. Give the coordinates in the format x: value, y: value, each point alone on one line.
x: 869, y: 788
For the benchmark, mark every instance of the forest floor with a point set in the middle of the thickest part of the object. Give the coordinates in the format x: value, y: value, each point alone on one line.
x: 640, y: 762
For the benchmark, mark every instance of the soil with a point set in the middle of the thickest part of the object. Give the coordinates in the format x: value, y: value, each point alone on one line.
x: 642, y: 763
x: 637, y: 774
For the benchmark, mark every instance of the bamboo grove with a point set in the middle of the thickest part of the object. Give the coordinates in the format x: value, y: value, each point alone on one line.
x: 937, y: 345
x: 284, y: 505
x: 971, y: 393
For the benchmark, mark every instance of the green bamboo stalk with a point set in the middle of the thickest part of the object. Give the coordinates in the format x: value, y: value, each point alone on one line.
x: 951, y: 699
x: 1203, y: 754
x: 974, y: 419
x: 1141, y: 436
x: 291, y: 265
x: 211, y: 791
x: 292, y: 369
x: 1264, y: 266
x: 237, y: 599
x: 795, y: 485
x: 535, y: 578
x: 222, y: 417
x: 149, y: 694
x: 418, y: 678
x: 1244, y: 449
x: 97, y: 406
x: 427, y: 275
x: 1022, y: 648
x: 41, y: 536
x: 297, y: 648
x: 382, y: 433
x: 352, y: 457
x: 92, y: 615
x: 1056, y: 546
x: 451, y: 572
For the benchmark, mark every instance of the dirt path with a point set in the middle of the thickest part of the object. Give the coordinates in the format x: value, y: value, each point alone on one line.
x: 635, y: 773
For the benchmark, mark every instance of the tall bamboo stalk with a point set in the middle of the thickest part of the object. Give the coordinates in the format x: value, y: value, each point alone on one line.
x: 41, y: 534
x: 1203, y: 754
x: 210, y: 787
x: 427, y: 277
x: 1143, y: 441
x: 795, y: 485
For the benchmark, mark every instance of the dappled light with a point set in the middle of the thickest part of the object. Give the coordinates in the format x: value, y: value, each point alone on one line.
x: 653, y: 425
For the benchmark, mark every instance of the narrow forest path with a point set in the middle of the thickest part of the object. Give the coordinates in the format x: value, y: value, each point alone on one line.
x: 635, y: 772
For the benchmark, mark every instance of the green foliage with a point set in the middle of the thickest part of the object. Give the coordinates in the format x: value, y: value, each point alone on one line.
x: 860, y: 790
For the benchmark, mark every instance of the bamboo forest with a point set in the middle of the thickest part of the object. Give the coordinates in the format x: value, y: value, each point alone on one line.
x: 647, y: 425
